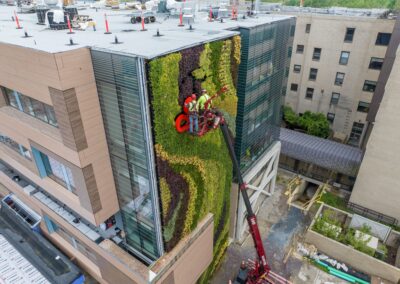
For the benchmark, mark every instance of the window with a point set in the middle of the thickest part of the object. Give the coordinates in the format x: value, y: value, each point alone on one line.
x: 296, y: 68
x: 383, y: 39
x: 293, y: 87
x: 287, y: 72
x: 369, y: 86
x: 363, y: 106
x: 376, y: 63
x: 330, y: 116
x: 309, y: 93
x: 313, y: 74
x: 12, y: 98
x: 38, y: 109
x: 339, y: 79
x: 289, y: 52
x: 31, y: 106
x: 308, y: 28
x: 344, y: 58
x: 300, y: 48
x: 335, y: 99
x: 349, y: 34
x: 57, y: 171
x: 356, y: 133
x: 15, y: 146
x: 316, y: 54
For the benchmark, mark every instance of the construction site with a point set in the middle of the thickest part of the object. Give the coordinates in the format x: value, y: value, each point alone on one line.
x: 140, y: 142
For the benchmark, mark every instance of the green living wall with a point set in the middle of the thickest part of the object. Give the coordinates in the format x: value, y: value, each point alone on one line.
x: 195, y: 173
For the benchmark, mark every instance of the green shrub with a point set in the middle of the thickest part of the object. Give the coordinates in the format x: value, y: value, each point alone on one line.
x: 359, y: 243
x: 290, y: 116
x: 315, y: 124
x: 165, y: 197
x: 328, y: 225
x: 334, y: 201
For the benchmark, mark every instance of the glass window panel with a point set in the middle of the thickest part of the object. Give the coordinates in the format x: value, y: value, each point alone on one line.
x: 369, y: 86
x: 26, y: 153
x: 313, y: 74
x: 376, y: 63
x: 363, y: 107
x: 383, y: 39
x: 38, y: 109
x: 317, y: 54
x: 349, y: 34
x: 356, y: 133
x: 335, y: 98
x: 51, y: 117
x: 26, y: 104
x: 11, y: 97
x: 309, y: 93
x: 330, y: 116
x: 339, y: 79
x: 300, y: 48
x: 344, y: 58
x: 308, y: 28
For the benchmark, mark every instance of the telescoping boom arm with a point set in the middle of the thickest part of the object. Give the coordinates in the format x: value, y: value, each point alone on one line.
x: 251, y: 217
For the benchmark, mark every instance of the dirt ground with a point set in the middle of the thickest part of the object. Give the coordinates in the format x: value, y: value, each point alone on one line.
x: 280, y: 227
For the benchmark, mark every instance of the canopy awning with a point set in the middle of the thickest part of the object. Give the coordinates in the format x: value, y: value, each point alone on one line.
x: 325, y: 153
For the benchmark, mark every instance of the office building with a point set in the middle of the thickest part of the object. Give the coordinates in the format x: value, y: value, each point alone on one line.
x: 336, y: 61
x: 376, y: 188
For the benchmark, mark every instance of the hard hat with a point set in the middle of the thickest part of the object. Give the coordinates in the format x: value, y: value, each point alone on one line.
x: 193, y: 96
x: 204, y: 91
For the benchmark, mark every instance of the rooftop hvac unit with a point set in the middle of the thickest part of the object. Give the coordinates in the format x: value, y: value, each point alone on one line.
x: 41, y: 15
x: 57, y: 19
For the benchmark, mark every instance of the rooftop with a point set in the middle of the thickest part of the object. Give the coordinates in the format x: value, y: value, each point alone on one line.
x: 133, y: 41
x: 27, y: 257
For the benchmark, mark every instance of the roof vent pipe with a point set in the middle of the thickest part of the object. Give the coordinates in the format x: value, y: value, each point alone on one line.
x: 26, y: 34
x: 158, y: 33
x: 116, y: 41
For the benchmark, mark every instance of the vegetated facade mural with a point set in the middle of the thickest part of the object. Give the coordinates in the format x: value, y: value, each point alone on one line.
x: 195, y: 173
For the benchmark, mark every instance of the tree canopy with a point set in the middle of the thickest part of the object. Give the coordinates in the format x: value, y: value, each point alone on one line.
x: 312, y: 123
x: 390, y: 4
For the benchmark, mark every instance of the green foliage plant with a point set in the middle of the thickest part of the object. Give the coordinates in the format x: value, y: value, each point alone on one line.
x: 328, y: 225
x: 165, y: 196
x: 359, y: 243
x: 315, y: 124
x: 203, y: 162
x: 390, y: 4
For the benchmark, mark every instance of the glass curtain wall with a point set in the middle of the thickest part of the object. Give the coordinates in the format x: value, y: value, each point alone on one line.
x: 261, y: 79
x: 120, y: 85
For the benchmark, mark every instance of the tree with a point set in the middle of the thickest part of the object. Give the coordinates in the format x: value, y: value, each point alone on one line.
x: 290, y: 116
x: 315, y: 124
